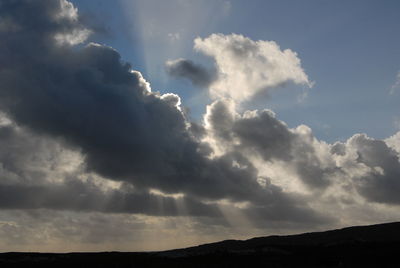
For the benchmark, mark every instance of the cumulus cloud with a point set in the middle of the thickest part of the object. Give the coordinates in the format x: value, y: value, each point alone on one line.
x: 371, y: 166
x: 394, y: 142
x: 38, y: 172
x: 96, y: 104
x: 197, y: 74
x: 88, y: 97
x: 246, y: 67
x: 260, y: 132
x: 380, y: 182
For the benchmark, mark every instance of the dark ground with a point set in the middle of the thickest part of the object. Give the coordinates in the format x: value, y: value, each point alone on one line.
x: 364, y: 246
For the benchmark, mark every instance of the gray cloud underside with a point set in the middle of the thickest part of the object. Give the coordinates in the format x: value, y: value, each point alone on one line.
x: 27, y: 186
x: 30, y: 163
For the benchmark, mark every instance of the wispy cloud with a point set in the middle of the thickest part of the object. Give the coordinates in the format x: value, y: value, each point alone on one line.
x: 396, y: 84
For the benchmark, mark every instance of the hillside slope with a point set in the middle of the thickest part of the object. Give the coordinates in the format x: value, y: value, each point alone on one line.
x: 362, y: 246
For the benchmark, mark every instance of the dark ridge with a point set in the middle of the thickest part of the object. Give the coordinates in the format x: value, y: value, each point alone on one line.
x: 361, y: 246
x: 386, y: 232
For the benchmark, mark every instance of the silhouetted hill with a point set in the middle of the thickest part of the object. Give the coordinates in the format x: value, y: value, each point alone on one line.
x: 386, y: 233
x: 362, y: 246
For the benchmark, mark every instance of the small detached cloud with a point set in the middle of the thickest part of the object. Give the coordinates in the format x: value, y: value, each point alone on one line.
x: 197, y: 74
x: 396, y: 84
x: 173, y: 37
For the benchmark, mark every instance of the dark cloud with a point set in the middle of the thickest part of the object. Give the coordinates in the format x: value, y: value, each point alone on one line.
x: 89, y: 197
x: 88, y: 97
x: 25, y: 187
x: 38, y: 172
x: 89, y: 100
x: 197, y: 74
x: 382, y: 181
x: 265, y: 134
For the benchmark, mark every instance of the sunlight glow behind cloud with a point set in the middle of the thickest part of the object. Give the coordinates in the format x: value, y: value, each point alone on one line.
x: 164, y: 27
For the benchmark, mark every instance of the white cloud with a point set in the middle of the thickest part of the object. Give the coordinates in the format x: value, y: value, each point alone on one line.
x: 248, y: 67
x: 67, y: 11
x: 173, y: 37
x: 77, y: 36
x: 394, y: 142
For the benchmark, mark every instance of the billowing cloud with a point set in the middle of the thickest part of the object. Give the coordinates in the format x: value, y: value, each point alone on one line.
x: 371, y: 166
x: 38, y: 172
x: 197, y: 74
x: 394, y: 142
x: 380, y: 182
x: 96, y: 104
x: 246, y: 67
x: 89, y: 98
x: 260, y: 132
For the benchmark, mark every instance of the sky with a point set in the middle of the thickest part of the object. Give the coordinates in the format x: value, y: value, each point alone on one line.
x: 140, y: 125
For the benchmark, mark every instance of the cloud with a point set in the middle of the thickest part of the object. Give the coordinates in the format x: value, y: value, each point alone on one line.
x: 396, y: 85
x: 97, y: 105
x: 28, y: 159
x: 89, y: 197
x: 394, y: 142
x: 38, y: 172
x: 89, y: 98
x: 260, y: 132
x: 380, y: 183
x: 173, y: 37
x: 197, y: 74
x: 82, y: 132
x: 247, y: 67
x: 372, y: 166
